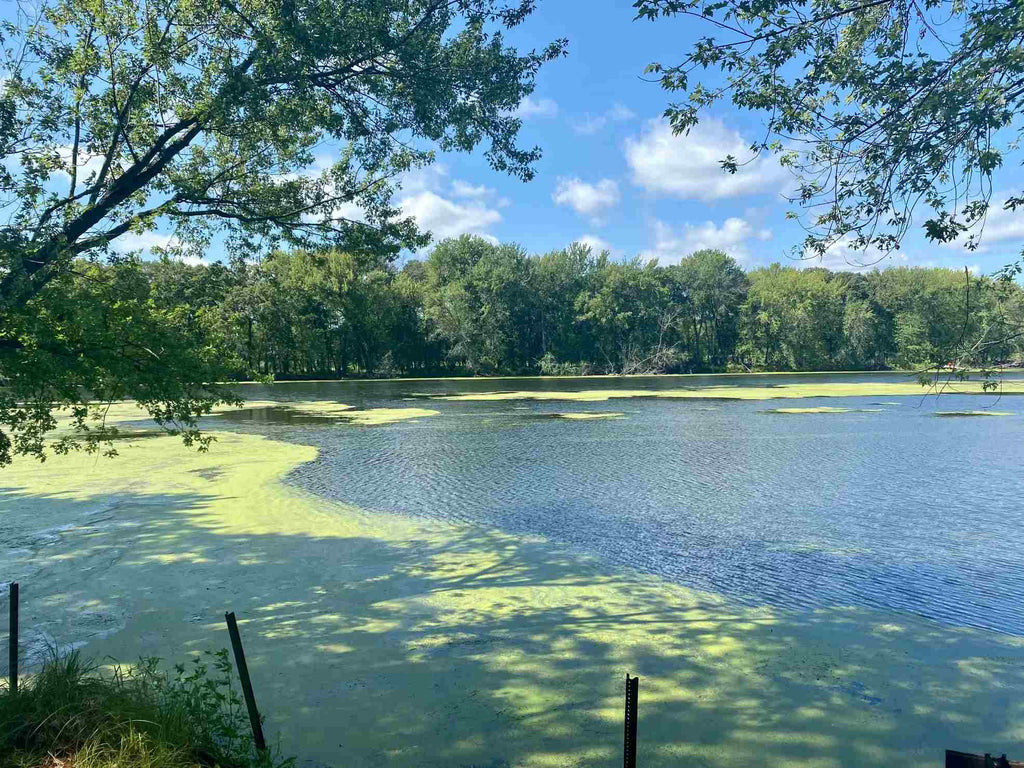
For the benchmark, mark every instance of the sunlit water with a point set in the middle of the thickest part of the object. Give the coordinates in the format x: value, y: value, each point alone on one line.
x: 898, y: 509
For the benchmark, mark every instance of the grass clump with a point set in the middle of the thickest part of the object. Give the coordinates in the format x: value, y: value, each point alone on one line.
x: 73, y: 715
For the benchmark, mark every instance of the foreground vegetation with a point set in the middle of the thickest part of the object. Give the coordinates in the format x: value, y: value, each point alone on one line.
x: 138, y: 717
x: 478, y: 308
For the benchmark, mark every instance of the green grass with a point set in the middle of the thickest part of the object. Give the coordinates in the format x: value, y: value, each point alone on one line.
x: 73, y: 715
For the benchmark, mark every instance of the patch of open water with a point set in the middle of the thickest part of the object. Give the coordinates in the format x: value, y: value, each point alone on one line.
x: 885, y: 506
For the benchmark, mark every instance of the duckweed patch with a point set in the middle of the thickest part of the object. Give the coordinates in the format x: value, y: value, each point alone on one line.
x: 378, y: 416
x: 955, y: 414
x: 824, y: 409
x: 585, y: 416
x: 724, y: 392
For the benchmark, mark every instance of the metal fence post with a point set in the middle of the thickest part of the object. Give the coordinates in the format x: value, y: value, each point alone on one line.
x: 12, y: 659
x: 629, y: 741
x: 243, y: 675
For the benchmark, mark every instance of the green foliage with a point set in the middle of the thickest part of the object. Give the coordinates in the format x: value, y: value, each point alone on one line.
x: 475, y: 307
x: 878, y: 106
x: 206, y: 118
x: 137, y: 716
x: 100, y: 333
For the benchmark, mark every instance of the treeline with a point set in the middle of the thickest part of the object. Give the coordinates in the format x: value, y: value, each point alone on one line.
x: 477, y: 308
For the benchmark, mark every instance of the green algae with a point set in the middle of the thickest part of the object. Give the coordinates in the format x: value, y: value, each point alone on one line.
x: 378, y: 416
x: 373, y: 638
x: 949, y: 414
x: 824, y: 409
x: 585, y: 416
x: 725, y: 392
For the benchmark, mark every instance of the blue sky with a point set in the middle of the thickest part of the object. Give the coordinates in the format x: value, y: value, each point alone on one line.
x: 614, y: 176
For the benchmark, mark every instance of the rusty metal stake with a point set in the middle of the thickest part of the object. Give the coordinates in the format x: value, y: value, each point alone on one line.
x: 243, y: 675
x: 629, y: 742
x: 12, y: 659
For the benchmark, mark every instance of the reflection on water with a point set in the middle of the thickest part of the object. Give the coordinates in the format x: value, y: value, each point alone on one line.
x: 884, y: 506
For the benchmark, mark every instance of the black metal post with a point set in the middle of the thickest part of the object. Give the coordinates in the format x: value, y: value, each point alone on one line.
x: 629, y: 741
x: 12, y: 659
x: 243, y: 675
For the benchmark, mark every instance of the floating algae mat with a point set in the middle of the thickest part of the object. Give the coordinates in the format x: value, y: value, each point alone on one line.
x: 726, y: 392
x: 377, y: 416
x: 582, y: 416
x: 949, y: 414
x: 824, y: 409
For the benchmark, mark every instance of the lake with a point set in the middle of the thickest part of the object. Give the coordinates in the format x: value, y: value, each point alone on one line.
x: 890, y: 507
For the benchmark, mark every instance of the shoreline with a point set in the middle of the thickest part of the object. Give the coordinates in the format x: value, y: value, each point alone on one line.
x: 379, y: 639
x: 580, y: 376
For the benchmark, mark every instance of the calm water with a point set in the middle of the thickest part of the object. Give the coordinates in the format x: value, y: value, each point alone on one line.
x: 896, y: 510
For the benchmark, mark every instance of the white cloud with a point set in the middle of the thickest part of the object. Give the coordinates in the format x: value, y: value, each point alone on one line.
x: 530, y: 107
x: 148, y: 241
x: 588, y: 126
x: 585, y: 198
x: 620, y: 112
x: 591, y: 124
x: 87, y: 165
x: 1000, y: 225
x: 734, y: 236
x: 689, y: 168
x: 596, y: 244
x: 142, y: 241
x: 447, y: 218
x: 842, y: 257
x: 427, y: 178
x: 465, y: 189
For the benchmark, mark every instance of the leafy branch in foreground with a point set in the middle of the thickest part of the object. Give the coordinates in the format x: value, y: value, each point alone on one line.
x: 878, y: 106
x: 248, y: 123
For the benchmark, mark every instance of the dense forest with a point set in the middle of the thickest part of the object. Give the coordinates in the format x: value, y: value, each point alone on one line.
x: 473, y: 307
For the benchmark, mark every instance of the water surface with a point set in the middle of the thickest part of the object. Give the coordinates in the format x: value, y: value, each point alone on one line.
x: 890, y: 508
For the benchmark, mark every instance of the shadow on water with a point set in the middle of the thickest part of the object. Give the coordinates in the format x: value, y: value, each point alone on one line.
x: 484, y: 650
x: 275, y: 414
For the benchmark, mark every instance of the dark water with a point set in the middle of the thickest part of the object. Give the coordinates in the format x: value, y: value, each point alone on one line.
x: 895, y: 510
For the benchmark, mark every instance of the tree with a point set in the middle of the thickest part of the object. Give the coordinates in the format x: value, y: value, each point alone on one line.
x: 879, y: 106
x: 716, y: 289
x: 204, y: 118
x: 482, y: 303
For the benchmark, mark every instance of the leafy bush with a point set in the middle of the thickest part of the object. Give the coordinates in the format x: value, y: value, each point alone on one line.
x: 73, y: 714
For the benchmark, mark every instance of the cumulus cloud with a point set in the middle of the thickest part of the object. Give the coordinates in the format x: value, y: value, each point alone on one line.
x: 585, y: 198
x: 442, y: 206
x: 529, y: 108
x: 142, y: 241
x: 1000, y: 226
x: 841, y: 256
x: 620, y: 112
x: 734, y: 236
x: 688, y: 167
x: 149, y: 242
x: 447, y: 218
x: 591, y: 124
x: 588, y: 126
x: 465, y: 189
x: 595, y: 243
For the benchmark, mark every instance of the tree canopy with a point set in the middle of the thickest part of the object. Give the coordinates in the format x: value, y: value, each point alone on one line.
x: 206, y: 117
x: 474, y: 307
